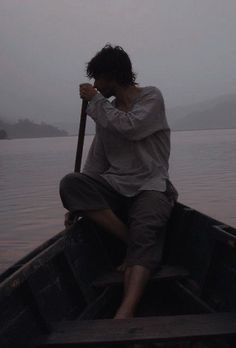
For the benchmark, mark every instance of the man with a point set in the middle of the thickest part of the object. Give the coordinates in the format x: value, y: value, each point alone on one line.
x: 127, y: 166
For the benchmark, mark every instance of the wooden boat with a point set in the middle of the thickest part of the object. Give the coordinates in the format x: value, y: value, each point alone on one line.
x: 65, y: 293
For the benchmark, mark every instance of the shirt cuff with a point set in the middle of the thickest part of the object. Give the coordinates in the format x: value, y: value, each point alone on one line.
x: 91, y: 108
x: 97, y: 96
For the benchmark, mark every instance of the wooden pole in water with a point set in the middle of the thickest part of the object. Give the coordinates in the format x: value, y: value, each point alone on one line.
x: 80, y: 145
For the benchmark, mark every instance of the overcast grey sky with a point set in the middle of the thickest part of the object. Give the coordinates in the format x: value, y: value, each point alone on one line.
x: 185, y: 47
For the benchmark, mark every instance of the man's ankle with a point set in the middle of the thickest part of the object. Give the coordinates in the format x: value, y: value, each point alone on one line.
x: 123, y: 314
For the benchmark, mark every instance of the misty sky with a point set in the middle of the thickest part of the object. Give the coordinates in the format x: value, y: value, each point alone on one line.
x: 185, y: 47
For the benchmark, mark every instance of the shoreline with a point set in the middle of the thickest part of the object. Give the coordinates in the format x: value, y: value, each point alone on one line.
x: 91, y: 134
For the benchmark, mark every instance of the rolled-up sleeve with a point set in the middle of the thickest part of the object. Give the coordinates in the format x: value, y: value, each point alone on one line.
x: 146, y: 117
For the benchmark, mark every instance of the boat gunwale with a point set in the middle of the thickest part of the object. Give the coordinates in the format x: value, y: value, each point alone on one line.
x: 45, y: 253
x: 31, y: 255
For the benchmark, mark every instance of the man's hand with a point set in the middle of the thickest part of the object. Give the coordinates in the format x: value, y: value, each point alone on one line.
x: 87, y: 91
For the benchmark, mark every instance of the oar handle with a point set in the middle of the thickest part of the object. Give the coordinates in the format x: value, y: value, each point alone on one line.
x: 80, y: 145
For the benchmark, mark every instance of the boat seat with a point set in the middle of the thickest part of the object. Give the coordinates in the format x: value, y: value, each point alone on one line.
x: 164, y: 273
x: 146, y: 330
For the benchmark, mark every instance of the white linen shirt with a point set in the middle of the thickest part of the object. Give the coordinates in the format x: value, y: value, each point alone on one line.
x: 130, y: 150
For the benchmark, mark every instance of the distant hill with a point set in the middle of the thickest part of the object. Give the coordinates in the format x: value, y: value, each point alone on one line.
x: 216, y: 113
x: 26, y: 128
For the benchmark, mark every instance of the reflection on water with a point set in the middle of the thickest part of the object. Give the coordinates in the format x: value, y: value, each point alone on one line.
x: 202, y: 167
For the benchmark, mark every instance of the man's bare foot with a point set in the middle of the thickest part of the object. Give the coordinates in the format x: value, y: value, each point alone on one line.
x: 123, y: 315
x: 122, y: 267
x: 135, y: 280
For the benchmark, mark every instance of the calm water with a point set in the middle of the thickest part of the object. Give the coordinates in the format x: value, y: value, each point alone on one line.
x: 202, y: 167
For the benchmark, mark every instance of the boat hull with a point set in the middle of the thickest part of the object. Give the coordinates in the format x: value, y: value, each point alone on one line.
x: 57, y: 281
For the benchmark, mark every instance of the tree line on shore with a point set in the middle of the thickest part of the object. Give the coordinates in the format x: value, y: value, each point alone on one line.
x: 25, y: 128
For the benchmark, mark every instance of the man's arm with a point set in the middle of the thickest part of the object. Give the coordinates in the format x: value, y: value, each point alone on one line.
x: 146, y: 117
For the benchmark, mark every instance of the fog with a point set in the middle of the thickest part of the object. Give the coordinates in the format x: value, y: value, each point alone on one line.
x: 185, y: 47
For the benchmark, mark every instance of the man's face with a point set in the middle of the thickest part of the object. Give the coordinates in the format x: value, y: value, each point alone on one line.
x: 104, y: 86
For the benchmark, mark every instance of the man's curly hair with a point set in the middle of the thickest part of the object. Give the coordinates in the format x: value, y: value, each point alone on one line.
x: 112, y: 63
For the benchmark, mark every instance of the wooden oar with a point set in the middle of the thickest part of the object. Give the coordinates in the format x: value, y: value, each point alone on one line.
x: 69, y: 217
x: 80, y: 145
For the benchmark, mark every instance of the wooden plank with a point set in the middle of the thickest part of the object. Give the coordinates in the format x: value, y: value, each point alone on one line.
x: 224, y: 233
x: 95, y: 308
x: 23, y: 273
x: 55, y: 291
x: 165, y: 273
x: 36, y: 308
x: 21, y: 329
x: 150, y: 329
x: 188, y: 296
x: 13, y: 268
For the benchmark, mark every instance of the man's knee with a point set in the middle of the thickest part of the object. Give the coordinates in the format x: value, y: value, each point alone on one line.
x: 68, y: 182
